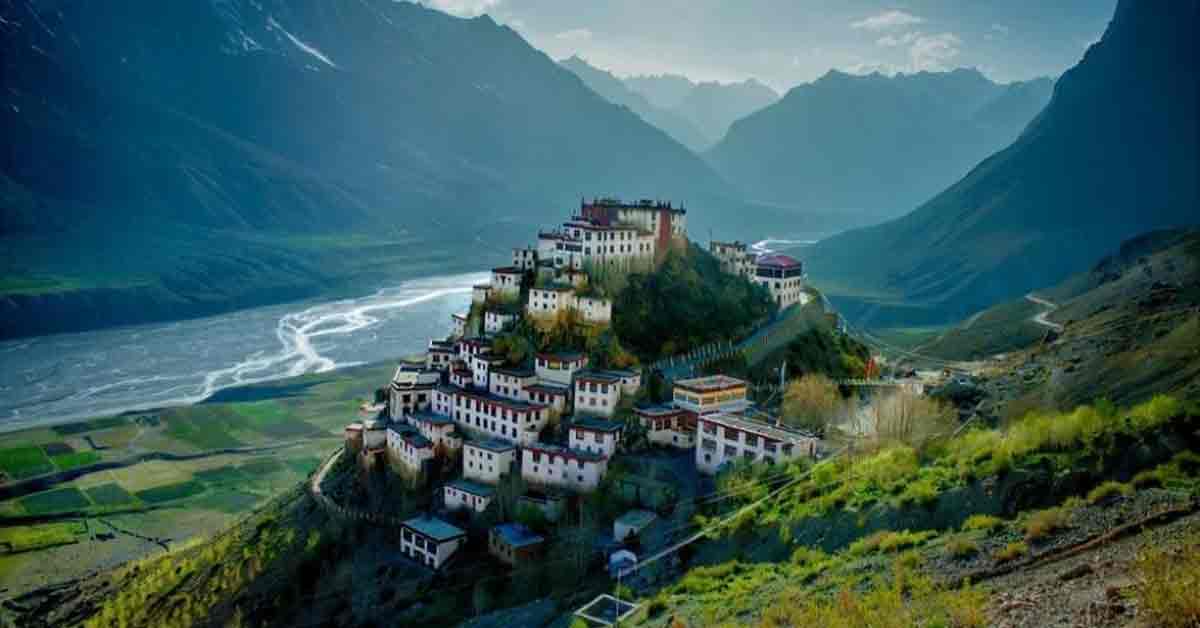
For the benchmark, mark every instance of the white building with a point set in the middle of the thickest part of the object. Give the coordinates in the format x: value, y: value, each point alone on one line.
x: 487, y: 461
x: 472, y: 496
x: 458, y: 324
x: 548, y: 394
x: 735, y: 258
x: 411, y: 391
x: 430, y: 541
x: 594, y: 309
x: 712, y: 393
x: 510, y: 383
x: 409, y: 449
x: 597, y: 393
x: 595, y: 435
x: 468, y: 347
x: 726, y: 437
x: 631, y: 380
x: 438, y: 428
x: 548, y: 301
x: 480, y: 293
x: 668, y: 426
x: 559, y: 368
x: 554, y: 466
x: 481, y: 368
x: 496, y: 321
x: 440, y: 355
x: 525, y: 258
x: 485, y: 414
x: 506, y: 281
x: 783, y: 276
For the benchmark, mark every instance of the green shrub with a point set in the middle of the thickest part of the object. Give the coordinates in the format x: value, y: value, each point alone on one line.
x: 1108, y: 490
x: 1150, y: 478
x: 1187, y: 463
x: 887, y: 541
x: 959, y: 547
x: 1011, y: 552
x: 1043, y: 523
x: 987, y: 523
x: 920, y: 493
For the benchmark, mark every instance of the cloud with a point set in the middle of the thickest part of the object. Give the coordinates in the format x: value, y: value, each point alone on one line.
x: 886, y: 69
x: 933, y: 52
x: 575, y: 34
x: 893, y: 18
x: 464, y: 8
x: 892, y: 41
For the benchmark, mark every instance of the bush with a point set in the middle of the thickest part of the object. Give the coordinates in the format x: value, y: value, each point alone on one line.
x: 959, y: 547
x: 987, y: 523
x: 1043, y: 523
x: 920, y: 493
x: 1150, y: 478
x: 1107, y: 491
x: 1011, y: 552
x: 887, y: 541
x: 1166, y: 585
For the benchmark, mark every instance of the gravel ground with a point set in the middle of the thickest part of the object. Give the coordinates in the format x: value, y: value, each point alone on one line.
x: 1089, y: 590
x: 1083, y: 524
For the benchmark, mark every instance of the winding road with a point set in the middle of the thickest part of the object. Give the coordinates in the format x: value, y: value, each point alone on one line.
x: 1041, y: 319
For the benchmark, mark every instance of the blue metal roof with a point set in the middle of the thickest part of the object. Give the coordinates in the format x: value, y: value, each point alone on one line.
x: 517, y: 535
x: 474, y: 488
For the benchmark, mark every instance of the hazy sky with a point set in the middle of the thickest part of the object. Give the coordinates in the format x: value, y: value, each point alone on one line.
x: 785, y: 42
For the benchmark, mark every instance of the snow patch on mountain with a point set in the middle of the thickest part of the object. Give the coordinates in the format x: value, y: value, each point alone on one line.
x: 301, y: 44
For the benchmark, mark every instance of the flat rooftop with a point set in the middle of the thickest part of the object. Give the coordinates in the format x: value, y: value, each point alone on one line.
x: 492, y: 444
x: 434, y: 528
x: 518, y: 535
x: 597, y: 424
x: 761, y: 428
x: 710, y: 383
x: 474, y: 488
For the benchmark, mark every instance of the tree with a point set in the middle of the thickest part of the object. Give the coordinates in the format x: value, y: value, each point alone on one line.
x: 812, y: 403
x: 912, y: 419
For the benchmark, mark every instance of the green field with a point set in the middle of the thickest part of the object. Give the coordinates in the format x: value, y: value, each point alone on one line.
x: 200, y: 434
x: 65, y: 462
x: 262, y: 466
x: 24, y: 462
x: 222, y: 475
x: 57, y: 500
x: 109, y: 495
x: 226, y: 500
x: 27, y: 538
x: 170, y: 492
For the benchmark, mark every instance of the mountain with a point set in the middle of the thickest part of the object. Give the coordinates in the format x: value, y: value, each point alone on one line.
x: 1113, y: 155
x: 710, y: 107
x: 874, y: 145
x: 613, y: 90
x: 167, y: 159
x: 662, y: 90
x: 715, y: 106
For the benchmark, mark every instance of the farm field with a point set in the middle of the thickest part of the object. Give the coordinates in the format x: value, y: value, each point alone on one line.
x: 243, y: 446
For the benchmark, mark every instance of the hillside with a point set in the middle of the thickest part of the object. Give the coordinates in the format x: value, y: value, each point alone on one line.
x: 1143, y: 271
x: 1123, y: 119
x: 613, y: 90
x: 369, y: 139
x: 874, y: 145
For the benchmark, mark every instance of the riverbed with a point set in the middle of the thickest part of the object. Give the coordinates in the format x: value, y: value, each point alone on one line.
x: 56, y: 379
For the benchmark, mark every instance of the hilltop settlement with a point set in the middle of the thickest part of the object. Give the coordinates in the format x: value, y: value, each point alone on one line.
x: 474, y: 414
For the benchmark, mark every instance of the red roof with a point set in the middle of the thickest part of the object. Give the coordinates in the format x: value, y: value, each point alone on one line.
x: 778, y: 261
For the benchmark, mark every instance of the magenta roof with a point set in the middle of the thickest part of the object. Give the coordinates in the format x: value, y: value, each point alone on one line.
x: 778, y: 261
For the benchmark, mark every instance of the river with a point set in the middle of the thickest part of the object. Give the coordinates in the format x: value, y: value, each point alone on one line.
x: 54, y: 379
